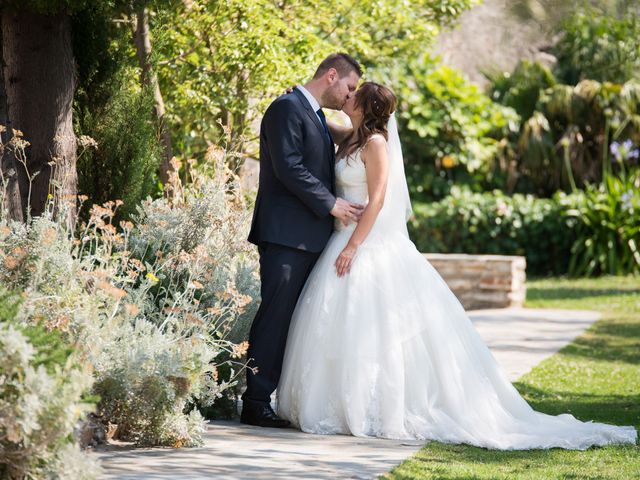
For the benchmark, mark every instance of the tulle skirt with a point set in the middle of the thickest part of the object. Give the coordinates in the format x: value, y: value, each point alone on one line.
x: 388, y: 351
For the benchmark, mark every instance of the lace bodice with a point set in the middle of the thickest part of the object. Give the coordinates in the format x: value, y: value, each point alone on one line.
x: 351, y: 182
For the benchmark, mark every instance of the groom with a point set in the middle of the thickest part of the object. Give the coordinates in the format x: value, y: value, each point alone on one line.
x: 293, y: 218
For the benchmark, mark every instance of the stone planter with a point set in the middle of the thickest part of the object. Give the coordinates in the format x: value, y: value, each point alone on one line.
x: 483, y: 281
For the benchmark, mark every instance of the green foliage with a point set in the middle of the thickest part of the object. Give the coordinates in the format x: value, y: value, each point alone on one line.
x: 521, y: 89
x: 599, y: 47
x: 609, y: 229
x: 562, y: 143
x: 41, y: 400
x: 493, y: 223
x: 9, y: 304
x: 213, y: 57
x: 590, y: 232
x: 99, y: 55
x: 124, y: 162
x: 219, y: 64
x: 50, y: 7
x: 567, y: 126
x: 112, y: 109
x: 71, y: 7
x: 223, y: 62
x: 451, y: 131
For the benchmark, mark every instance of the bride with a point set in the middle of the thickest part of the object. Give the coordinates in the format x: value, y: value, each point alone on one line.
x: 379, y: 345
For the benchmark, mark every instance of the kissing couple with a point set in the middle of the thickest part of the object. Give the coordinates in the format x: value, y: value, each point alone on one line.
x: 356, y: 329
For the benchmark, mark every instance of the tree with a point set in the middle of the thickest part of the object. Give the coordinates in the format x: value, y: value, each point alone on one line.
x: 149, y: 78
x: 599, y: 47
x: 39, y: 90
x: 550, y: 14
x: 221, y: 63
x: 11, y: 201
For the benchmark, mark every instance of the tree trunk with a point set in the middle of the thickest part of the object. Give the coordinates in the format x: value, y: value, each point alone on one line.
x: 149, y: 78
x: 12, y: 204
x: 40, y: 82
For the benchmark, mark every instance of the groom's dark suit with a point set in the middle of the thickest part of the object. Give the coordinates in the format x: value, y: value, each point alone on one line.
x: 291, y: 226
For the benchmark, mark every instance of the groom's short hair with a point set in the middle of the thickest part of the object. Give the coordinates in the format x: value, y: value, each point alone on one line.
x: 343, y: 63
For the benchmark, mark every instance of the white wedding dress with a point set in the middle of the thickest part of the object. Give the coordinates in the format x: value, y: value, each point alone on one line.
x: 388, y: 351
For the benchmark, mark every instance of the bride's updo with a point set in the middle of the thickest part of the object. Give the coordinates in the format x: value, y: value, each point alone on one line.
x: 377, y: 103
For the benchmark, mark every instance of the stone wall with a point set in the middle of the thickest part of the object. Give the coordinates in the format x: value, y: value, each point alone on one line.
x: 483, y: 281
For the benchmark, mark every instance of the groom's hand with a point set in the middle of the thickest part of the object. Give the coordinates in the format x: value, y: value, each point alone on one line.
x: 347, y: 211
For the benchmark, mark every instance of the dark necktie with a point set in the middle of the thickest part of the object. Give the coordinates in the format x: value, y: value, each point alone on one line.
x: 323, y: 120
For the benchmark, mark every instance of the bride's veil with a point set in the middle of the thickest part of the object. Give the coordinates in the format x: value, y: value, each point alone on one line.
x: 397, y: 205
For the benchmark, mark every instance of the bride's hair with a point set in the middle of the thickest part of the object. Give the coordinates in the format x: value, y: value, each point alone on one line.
x: 377, y: 103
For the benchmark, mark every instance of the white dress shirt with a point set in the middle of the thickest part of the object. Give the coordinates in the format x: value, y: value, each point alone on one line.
x: 311, y: 99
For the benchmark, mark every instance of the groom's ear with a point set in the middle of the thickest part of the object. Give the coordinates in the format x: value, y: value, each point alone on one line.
x: 332, y: 75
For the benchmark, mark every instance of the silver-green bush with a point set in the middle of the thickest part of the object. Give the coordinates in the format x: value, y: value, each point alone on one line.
x: 150, y: 305
x: 42, y: 381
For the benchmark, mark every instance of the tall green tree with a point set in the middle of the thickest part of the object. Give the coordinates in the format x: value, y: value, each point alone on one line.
x: 149, y: 79
x: 220, y: 63
x: 599, y: 46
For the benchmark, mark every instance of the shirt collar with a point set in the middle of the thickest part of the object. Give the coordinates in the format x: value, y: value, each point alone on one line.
x: 310, y: 98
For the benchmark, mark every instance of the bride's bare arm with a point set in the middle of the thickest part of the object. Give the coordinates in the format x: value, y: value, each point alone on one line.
x: 374, y: 154
x: 338, y: 132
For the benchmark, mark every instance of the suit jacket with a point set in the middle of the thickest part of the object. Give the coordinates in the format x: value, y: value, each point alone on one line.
x: 296, y: 189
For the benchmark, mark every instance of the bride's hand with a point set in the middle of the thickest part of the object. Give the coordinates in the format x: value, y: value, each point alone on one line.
x: 345, y: 260
x: 290, y: 89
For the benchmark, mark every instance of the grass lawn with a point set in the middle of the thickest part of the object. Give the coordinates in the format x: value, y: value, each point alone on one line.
x: 597, y: 377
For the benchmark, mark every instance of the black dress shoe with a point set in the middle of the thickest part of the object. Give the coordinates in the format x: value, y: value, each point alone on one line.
x: 262, y: 416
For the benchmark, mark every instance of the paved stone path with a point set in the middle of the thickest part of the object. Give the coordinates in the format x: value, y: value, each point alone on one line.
x: 518, y: 338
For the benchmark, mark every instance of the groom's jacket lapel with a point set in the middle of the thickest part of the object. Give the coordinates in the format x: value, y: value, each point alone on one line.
x: 314, y: 117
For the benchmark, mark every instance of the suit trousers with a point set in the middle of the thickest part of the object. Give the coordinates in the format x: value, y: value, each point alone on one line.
x: 283, y: 273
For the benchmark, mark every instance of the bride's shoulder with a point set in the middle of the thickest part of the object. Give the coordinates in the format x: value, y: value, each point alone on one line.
x: 374, y: 142
x: 373, y: 147
x: 376, y: 138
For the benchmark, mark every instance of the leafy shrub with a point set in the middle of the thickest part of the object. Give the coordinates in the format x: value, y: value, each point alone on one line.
x: 144, y: 385
x: 494, y: 223
x: 521, y: 88
x: 451, y: 131
x: 609, y: 228
x: 570, y: 116
x: 591, y: 232
x: 42, y: 383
